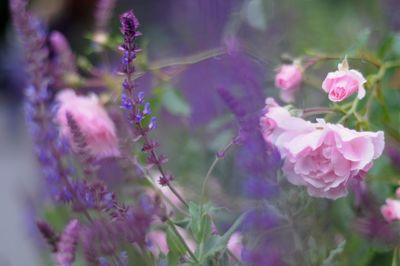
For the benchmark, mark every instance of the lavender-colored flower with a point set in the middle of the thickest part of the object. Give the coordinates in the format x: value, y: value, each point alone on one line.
x: 81, y: 145
x: 48, y: 234
x: 129, y: 25
x: 103, y: 237
x: 103, y: 262
x: 65, y: 255
x: 37, y: 108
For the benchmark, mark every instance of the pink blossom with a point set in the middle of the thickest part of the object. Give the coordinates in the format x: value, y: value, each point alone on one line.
x: 391, y: 210
x: 157, y: 242
x: 93, y: 121
x: 323, y: 157
x: 288, y: 79
x: 235, y: 244
x: 343, y: 83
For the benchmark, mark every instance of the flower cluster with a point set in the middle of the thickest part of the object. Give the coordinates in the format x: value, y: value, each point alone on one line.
x: 339, y: 85
x: 324, y: 157
x: 119, y: 204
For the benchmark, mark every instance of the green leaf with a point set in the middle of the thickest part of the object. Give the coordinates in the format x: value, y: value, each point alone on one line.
x: 255, y: 15
x: 174, y: 243
x: 173, y: 258
x: 174, y: 102
x: 330, y: 259
x: 386, y: 46
x: 184, y: 223
x: 218, y: 243
x: 361, y: 41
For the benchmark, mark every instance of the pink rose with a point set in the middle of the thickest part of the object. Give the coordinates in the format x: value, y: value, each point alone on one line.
x: 323, y: 157
x: 93, y: 121
x: 343, y: 83
x: 391, y: 210
x: 288, y: 79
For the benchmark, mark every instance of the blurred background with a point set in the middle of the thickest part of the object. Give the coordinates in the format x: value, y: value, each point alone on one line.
x: 265, y: 29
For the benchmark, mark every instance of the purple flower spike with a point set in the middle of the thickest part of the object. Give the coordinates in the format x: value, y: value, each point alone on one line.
x: 48, y: 234
x: 67, y: 245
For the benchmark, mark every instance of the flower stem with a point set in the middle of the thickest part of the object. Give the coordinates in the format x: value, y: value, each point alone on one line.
x: 218, y: 157
x: 395, y: 257
x: 173, y: 227
x: 351, y: 111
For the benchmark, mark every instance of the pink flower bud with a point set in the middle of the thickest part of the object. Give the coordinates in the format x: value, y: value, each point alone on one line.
x: 288, y: 79
x: 93, y: 121
x: 343, y: 83
x: 391, y: 210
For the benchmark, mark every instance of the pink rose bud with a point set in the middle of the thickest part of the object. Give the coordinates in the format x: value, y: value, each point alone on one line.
x: 288, y: 79
x: 93, y: 121
x: 391, y: 210
x: 323, y: 157
x: 343, y: 83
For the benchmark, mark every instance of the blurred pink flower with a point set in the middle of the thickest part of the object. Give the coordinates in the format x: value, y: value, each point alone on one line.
x: 93, y: 121
x: 288, y: 79
x: 343, y: 83
x: 398, y: 192
x: 391, y: 210
x: 235, y: 245
x: 323, y: 157
x: 157, y: 242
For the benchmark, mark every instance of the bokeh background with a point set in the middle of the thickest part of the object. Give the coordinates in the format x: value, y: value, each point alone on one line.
x: 173, y: 28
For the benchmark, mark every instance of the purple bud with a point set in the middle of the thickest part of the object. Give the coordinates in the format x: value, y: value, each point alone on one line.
x: 103, y: 262
x: 139, y: 117
x: 140, y: 97
x: 123, y: 258
x: 153, y: 123
x: 48, y: 234
x: 129, y: 24
x: 147, y: 109
x: 67, y: 244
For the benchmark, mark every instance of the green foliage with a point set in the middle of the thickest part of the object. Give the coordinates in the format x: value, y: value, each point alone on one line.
x: 330, y: 260
x: 173, y: 101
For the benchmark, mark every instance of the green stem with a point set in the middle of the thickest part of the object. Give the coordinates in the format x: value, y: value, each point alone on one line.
x: 351, y: 111
x: 188, y: 60
x: 156, y: 188
x: 214, y: 163
x: 203, y: 187
x: 395, y: 257
x: 316, y: 58
x: 170, y: 223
